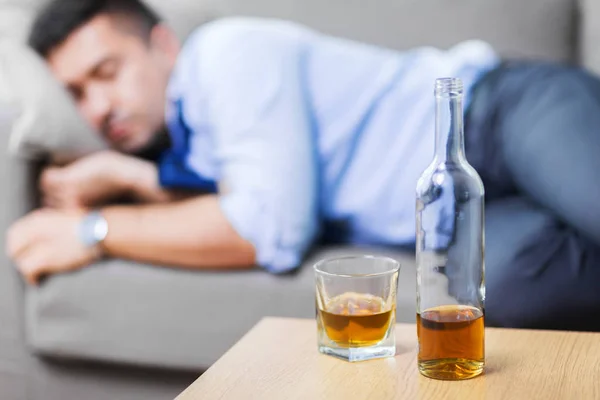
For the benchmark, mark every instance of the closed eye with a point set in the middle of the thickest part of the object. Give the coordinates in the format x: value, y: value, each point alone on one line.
x: 106, y: 70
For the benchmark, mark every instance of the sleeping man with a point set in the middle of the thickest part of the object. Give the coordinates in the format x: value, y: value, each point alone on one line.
x: 258, y: 138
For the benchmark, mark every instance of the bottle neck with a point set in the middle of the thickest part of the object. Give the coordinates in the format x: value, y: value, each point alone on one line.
x: 449, y: 131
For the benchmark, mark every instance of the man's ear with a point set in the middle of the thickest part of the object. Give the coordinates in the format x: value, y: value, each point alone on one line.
x: 163, y: 39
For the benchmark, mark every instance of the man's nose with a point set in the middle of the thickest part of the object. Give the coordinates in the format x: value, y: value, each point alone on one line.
x: 97, y: 108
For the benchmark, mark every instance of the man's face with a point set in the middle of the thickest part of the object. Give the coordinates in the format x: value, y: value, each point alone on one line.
x: 117, y: 79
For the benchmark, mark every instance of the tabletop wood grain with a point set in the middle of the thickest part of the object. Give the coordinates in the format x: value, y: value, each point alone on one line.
x: 278, y: 359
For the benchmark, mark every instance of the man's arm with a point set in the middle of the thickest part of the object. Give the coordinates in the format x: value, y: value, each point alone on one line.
x: 142, y: 182
x: 102, y: 177
x: 191, y: 233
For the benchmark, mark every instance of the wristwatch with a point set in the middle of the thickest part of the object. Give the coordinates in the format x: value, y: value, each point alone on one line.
x: 93, y: 229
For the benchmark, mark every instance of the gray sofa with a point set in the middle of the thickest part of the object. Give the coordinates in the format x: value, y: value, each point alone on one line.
x: 120, y: 330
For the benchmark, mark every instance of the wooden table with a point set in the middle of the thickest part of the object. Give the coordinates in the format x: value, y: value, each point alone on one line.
x: 278, y: 359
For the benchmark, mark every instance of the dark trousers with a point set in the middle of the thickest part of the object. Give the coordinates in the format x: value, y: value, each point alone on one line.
x: 532, y: 132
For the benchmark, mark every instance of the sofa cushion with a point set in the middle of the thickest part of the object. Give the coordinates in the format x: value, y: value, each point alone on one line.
x: 46, y: 120
x: 515, y: 28
x: 185, y: 15
x: 590, y: 35
x: 14, y: 375
x: 15, y: 20
x: 535, y: 28
x: 124, y: 312
x: 538, y: 28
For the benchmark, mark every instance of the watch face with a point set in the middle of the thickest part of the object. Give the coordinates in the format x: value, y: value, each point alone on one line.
x: 93, y: 229
x: 100, y: 228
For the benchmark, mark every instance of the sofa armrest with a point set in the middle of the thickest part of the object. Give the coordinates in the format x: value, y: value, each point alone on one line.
x: 16, y: 198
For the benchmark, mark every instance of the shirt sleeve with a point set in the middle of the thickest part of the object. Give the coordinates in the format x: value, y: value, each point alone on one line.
x: 263, y: 139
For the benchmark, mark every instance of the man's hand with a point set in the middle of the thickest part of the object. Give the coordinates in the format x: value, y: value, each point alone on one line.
x: 92, y: 180
x: 47, y: 241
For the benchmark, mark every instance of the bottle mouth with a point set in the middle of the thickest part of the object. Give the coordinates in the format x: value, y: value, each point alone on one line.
x: 448, y: 87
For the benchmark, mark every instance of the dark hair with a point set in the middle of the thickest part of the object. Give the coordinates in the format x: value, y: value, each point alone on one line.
x: 59, y: 18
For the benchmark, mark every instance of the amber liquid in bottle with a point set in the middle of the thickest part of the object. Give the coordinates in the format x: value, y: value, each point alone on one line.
x: 451, y: 342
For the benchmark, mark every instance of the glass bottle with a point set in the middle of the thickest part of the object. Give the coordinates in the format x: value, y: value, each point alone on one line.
x: 450, y: 250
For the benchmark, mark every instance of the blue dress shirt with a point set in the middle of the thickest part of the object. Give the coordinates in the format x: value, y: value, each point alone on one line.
x: 303, y: 133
